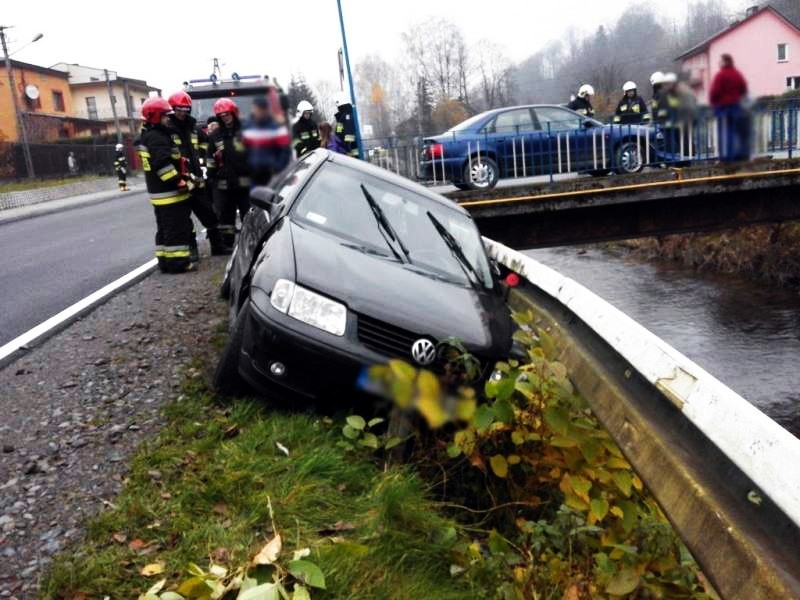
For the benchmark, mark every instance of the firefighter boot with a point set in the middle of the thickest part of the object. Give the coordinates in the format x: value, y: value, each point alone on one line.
x: 218, y: 245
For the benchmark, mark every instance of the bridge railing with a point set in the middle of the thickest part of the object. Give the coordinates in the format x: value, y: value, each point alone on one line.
x: 564, y: 149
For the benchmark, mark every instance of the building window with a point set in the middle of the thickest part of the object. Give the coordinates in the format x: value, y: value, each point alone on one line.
x: 793, y: 83
x: 91, y: 107
x: 58, y: 102
x: 783, y: 52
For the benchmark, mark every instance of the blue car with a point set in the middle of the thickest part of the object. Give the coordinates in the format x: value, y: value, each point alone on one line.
x: 541, y: 139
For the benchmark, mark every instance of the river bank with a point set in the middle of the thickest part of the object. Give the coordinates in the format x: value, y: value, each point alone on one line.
x: 743, y: 332
x: 768, y: 252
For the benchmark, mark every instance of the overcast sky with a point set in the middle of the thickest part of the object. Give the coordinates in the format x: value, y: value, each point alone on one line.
x: 277, y: 38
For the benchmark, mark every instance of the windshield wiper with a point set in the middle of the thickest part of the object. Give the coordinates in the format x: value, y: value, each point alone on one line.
x: 385, y: 226
x: 470, y: 271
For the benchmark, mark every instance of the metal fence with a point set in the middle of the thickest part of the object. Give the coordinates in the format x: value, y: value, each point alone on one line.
x: 569, y: 148
x: 53, y: 160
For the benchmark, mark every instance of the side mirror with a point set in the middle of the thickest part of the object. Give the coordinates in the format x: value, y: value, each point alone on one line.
x: 264, y: 197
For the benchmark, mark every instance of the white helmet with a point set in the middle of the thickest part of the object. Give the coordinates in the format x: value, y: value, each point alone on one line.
x: 670, y: 78
x: 341, y: 98
x: 629, y: 86
x: 585, y: 90
x: 304, y: 106
x: 657, y: 78
x: 118, y: 147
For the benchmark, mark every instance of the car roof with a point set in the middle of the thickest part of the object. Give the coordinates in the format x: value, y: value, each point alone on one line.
x: 390, y: 177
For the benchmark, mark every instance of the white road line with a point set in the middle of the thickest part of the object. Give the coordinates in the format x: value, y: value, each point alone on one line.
x: 90, y: 301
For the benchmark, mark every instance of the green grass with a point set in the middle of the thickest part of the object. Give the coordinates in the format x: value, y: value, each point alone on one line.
x: 34, y: 184
x: 219, y: 464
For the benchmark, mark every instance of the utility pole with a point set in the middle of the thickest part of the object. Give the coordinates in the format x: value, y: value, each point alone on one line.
x: 350, y: 79
x: 26, y: 150
x: 113, y: 107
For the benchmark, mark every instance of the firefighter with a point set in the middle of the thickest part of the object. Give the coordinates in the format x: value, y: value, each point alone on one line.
x: 169, y: 194
x: 121, y: 167
x: 192, y: 143
x: 667, y: 110
x: 305, y: 133
x: 345, y: 127
x: 227, y: 166
x: 656, y: 82
x: 267, y: 139
x: 583, y: 103
x: 632, y: 109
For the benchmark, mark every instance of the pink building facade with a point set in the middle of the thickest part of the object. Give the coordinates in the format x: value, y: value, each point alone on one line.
x: 765, y: 47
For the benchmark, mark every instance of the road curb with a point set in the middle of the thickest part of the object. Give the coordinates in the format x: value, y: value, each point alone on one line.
x: 30, y: 339
x: 48, y: 208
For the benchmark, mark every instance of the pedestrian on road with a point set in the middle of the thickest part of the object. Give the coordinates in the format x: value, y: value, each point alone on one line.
x: 72, y: 163
x: 328, y: 140
x: 345, y: 127
x: 305, y: 133
x: 632, y: 109
x: 228, y: 168
x: 121, y: 167
x: 169, y: 194
x: 583, y: 103
x: 728, y: 89
x: 192, y: 143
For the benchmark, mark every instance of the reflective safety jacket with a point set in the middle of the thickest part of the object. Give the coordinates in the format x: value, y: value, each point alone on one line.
x: 666, y: 107
x: 186, y: 138
x: 161, y: 162
x: 227, y: 159
x: 305, y: 136
x: 582, y: 106
x: 120, y: 162
x: 631, y: 111
x: 345, y: 130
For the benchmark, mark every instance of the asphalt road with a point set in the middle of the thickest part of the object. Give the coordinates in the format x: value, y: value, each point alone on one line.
x: 51, y: 261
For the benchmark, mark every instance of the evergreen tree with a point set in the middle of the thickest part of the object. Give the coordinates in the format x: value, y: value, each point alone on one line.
x: 300, y: 90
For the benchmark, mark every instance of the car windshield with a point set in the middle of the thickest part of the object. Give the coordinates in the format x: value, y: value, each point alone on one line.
x: 335, y: 202
x: 469, y: 122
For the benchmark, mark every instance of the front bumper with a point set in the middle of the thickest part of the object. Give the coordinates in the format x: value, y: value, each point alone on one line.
x: 316, y: 363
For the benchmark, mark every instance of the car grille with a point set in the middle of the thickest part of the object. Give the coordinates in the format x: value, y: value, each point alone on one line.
x: 385, y: 338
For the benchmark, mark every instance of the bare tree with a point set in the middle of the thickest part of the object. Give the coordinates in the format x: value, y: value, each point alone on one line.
x: 493, y: 72
x: 438, y: 51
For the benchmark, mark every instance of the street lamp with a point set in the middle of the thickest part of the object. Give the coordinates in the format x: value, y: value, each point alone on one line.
x: 350, y: 79
x: 26, y: 150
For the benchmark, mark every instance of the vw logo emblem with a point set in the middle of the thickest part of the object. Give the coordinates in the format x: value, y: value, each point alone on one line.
x: 423, y: 351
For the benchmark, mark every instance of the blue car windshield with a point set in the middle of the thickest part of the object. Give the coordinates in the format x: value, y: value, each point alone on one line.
x: 335, y: 202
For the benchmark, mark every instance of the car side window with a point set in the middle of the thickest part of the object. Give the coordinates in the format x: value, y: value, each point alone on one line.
x: 558, y: 118
x: 514, y: 121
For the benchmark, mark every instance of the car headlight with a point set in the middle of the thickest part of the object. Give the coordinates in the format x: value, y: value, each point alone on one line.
x: 309, y: 307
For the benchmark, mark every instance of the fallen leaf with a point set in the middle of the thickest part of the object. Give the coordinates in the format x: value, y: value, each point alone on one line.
x: 572, y: 593
x: 282, y: 448
x: 220, y: 509
x: 218, y: 571
x: 119, y: 537
x: 154, y: 524
x: 220, y: 555
x: 137, y: 544
x: 231, y: 432
x: 153, y: 569
x: 157, y: 587
x: 269, y: 553
x: 166, y: 495
x: 302, y: 553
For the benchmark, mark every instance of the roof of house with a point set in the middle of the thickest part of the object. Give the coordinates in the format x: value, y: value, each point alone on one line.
x: 702, y: 46
x: 112, y: 76
x: 16, y: 64
x: 136, y: 82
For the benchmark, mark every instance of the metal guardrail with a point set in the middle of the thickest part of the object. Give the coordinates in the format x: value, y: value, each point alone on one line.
x: 724, y: 473
x: 566, y: 149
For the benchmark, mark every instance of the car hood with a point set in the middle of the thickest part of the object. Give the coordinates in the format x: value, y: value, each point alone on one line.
x: 400, y: 294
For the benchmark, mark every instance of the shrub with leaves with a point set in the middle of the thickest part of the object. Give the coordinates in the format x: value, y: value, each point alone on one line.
x: 585, y: 525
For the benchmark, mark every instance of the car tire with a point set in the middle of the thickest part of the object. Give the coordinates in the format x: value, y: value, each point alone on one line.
x: 599, y: 172
x: 462, y: 186
x: 227, y: 380
x: 629, y: 159
x: 481, y: 174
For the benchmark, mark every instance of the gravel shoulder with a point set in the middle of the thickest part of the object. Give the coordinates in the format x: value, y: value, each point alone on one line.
x: 75, y: 409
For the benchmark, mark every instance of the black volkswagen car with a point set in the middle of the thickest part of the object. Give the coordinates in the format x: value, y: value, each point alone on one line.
x: 343, y: 265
